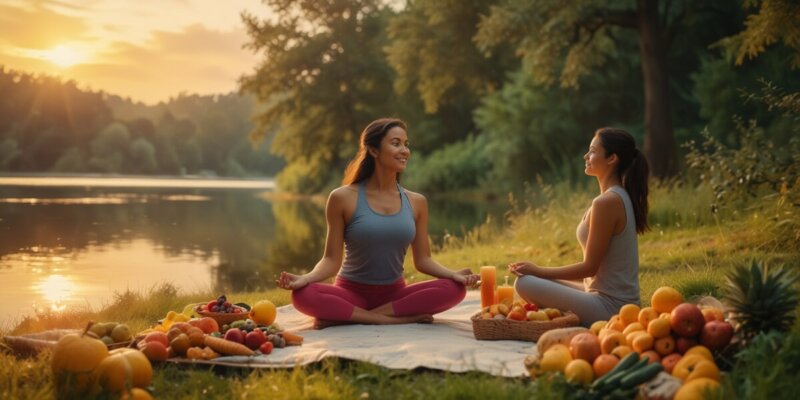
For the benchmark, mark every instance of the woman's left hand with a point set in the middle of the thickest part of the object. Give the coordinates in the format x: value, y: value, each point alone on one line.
x: 466, y: 277
x: 522, y: 268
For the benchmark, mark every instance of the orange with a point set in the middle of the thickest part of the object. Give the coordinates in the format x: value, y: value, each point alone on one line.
x: 632, y: 328
x: 652, y: 356
x: 629, y: 313
x: 611, y: 341
x: 658, y: 328
x: 665, y: 299
x: 664, y: 345
x: 642, y: 343
x: 603, y: 364
x: 579, y: 371
x: 697, y: 389
x: 615, y: 323
x: 669, y: 361
x: 646, y: 315
x: 621, y: 351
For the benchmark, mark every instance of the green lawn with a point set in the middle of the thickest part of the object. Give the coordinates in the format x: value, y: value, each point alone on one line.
x: 688, y: 248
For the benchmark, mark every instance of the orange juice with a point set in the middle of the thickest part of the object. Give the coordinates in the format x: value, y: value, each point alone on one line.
x: 505, y: 293
x: 488, y: 276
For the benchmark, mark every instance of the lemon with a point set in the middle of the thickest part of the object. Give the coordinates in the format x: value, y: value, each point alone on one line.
x: 263, y: 313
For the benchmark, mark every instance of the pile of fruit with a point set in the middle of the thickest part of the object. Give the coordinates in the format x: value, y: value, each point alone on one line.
x: 222, y: 305
x: 519, y: 311
x: 111, y: 332
x: 614, y: 357
x: 204, y: 339
x: 84, y: 368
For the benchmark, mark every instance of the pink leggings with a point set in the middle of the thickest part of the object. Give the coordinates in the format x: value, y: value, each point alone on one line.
x: 336, y: 302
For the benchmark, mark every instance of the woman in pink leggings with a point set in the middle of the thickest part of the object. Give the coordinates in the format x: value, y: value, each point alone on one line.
x: 371, y: 222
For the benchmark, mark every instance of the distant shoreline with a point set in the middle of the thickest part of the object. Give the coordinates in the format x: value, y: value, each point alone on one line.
x: 106, y: 180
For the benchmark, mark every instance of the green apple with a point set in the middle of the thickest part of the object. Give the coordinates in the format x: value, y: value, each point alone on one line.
x: 121, y: 333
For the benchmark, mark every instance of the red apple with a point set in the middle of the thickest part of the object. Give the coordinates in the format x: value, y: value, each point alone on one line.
x: 235, y: 335
x: 686, y: 320
x: 716, y: 334
x: 266, y: 348
x: 255, y: 339
x: 684, y: 343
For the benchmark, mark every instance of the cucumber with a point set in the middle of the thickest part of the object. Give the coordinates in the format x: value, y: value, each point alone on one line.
x: 641, y: 376
x: 626, y: 362
x: 621, y: 394
x: 614, y: 381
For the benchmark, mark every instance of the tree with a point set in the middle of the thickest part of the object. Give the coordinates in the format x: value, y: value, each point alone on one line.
x: 432, y: 52
x: 322, y: 79
x: 775, y: 20
x: 577, y: 37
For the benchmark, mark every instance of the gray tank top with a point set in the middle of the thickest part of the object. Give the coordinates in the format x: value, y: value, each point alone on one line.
x: 375, y: 244
x: 617, y: 278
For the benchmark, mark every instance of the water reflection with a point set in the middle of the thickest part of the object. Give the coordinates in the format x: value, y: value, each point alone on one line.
x: 57, y: 290
x: 77, y: 245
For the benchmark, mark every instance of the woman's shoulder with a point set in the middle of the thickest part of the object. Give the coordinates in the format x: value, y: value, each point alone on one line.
x: 608, y: 200
x: 414, y: 197
x: 342, y: 194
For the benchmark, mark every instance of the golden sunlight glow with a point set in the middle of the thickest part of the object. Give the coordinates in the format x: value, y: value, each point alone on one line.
x: 63, y: 56
x: 56, y: 289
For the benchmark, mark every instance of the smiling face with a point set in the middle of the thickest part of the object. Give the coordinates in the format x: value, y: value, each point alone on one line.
x: 394, y: 152
x: 597, y: 164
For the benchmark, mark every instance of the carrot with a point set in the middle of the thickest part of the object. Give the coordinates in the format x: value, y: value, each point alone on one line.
x: 292, y: 339
x: 223, y: 346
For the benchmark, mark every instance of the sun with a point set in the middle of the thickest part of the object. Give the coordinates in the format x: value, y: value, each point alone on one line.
x: 63, y: 56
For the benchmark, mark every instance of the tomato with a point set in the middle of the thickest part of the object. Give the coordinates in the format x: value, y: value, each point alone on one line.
x: 530, y: 307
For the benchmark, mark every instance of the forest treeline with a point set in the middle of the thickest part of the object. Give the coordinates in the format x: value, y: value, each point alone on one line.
x: 495, y: 92
x: 51, y: 125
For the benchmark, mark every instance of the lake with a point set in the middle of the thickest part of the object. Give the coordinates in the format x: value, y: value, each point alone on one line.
x: 75, y: 241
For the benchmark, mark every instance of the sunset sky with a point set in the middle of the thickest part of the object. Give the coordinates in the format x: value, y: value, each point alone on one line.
x: 148, y: 50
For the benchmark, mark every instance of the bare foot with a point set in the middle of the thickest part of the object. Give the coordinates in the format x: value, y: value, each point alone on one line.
x: 326, y: 323
x: 411, y: 319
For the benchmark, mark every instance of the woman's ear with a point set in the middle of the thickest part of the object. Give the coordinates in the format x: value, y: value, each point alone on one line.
x: 372, y: 151
x: 613, y: 159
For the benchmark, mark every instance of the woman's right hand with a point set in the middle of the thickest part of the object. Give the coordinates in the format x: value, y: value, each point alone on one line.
x: 291, y: 281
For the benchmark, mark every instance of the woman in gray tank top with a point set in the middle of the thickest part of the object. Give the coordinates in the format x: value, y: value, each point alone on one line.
x: 372, y: 221
x: 606, y: 233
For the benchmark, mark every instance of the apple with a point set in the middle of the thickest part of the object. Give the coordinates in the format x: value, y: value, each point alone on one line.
x: 537, y: 316
x: 686, y: 320
x: 160, y: 337
x: 716, y: 334
x: 684, y: 343
x: 255, y: 339
x: 235, y: 335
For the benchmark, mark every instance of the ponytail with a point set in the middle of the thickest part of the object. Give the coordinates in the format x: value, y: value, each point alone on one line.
x: 633, y: 170
x: 634, y: 180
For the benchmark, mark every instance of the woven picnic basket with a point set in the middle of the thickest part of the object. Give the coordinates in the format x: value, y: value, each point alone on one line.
x: 509, y: 329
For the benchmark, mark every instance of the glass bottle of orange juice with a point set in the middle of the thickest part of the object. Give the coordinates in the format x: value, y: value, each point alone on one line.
x: 488, y: 277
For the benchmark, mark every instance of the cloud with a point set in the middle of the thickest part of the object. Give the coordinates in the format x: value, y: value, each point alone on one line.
x: 39, y: 27
x: 194, y: 60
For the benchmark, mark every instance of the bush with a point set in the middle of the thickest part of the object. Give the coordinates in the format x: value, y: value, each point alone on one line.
x: 461, y: 165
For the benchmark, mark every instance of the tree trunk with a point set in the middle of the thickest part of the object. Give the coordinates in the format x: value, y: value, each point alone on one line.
x: 659, y: 142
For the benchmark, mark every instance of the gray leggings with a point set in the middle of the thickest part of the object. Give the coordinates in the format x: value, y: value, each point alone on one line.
x: 564, y: 295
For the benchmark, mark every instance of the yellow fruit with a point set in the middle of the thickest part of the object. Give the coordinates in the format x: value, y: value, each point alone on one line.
x: 136, y: 394
x: 665, y: 299
x: 621, y: 351
x: 579, y: 371
x: 701, y: 351
x: 74, y: 359
x: 503, y: 309
x: 694, y: 366
x: 556, y: 358
x: 659, y: 328
x: 263, y: 312
x: 629, y: 313
x: 642, y: 343
x: 595, y: 328
x: 646, y: 315
x: 552, y: 313
x: 696, y: 389
x: 633, y: 328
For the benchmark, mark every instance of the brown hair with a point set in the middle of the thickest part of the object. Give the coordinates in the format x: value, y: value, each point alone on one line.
x: 632, y: 170
x: 362, y: 165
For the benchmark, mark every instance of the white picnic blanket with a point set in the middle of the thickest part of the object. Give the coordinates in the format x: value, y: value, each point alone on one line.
x: 447, y: 344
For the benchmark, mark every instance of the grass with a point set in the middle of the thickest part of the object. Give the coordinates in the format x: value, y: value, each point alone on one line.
x: 689, y: 248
